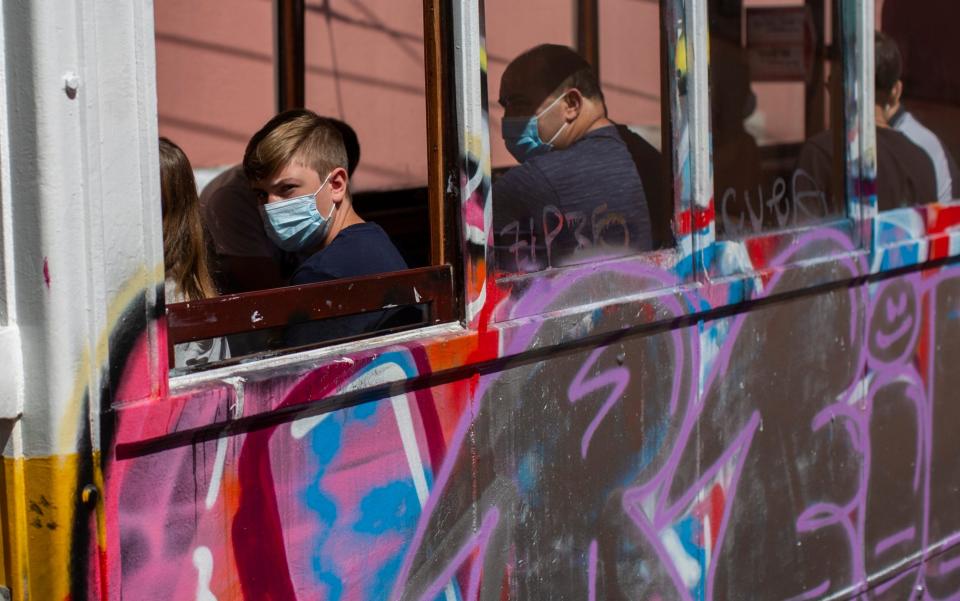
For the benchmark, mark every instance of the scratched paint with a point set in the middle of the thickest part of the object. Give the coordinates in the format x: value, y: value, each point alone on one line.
x: 691, y: 463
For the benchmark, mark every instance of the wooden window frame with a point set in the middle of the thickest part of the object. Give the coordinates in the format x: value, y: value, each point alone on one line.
x: 432, y: 287
x: 685, y: 205
x: 846, y: 122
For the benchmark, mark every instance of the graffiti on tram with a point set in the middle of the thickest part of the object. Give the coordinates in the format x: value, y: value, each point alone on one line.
x: 687, y: 464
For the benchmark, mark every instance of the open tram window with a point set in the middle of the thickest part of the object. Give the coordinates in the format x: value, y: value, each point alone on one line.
x: 575, y: 121
x: 776, y: 116
x: 917, y: 97
x: 320, y: 224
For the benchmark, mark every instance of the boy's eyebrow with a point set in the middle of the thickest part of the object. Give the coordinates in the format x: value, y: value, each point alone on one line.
x: 283, y: 180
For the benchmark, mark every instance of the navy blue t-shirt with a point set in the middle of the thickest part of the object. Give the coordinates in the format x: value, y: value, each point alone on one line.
x: 361, y: 249
x: 572, y: 205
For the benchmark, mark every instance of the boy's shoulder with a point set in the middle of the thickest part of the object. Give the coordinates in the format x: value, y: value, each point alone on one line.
x: 361, y: 249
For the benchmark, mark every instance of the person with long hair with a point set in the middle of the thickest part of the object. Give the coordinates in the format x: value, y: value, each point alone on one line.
x: 187, y: 271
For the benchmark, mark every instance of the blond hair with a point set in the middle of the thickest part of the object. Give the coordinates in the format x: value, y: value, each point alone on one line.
x: 298, y: 135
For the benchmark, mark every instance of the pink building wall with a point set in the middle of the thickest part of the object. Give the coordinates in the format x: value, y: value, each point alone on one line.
x: 215, y: 72
x: 214, y: 75
x: 365, y: 65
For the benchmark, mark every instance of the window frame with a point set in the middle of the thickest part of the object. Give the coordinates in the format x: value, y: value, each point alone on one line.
x: 460, y: 177
x: 12, y: 387
x: 924, y: 233
x: 681, y: 143
x: 439, y: 278
x: 759, y: 254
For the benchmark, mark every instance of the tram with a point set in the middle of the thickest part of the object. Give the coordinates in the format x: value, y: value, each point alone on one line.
x: 761, y: 405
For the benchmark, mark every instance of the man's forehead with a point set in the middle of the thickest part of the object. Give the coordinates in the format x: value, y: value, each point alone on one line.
x: 517, y: 89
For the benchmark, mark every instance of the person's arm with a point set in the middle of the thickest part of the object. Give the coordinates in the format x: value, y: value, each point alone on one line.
x: 518, y: 201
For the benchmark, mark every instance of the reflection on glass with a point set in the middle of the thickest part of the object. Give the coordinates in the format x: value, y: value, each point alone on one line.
x: 576, y: 193
x: 905, y: 169
x: 918, y: 96
x: 775, y: 159
x: 579, y: 186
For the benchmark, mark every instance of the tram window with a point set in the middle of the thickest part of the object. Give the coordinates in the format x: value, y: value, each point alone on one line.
x: 315, y: 224
x: 917, y: 104
x: 572, y: 150
x: 365, y: 67
x: 776, y: 116
x: 630, y: 69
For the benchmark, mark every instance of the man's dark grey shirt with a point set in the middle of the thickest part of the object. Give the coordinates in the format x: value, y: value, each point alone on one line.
x: 572, y: 205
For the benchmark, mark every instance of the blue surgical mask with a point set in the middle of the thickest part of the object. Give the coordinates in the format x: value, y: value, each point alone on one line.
x: 295, y: 223
x: 522, y: 134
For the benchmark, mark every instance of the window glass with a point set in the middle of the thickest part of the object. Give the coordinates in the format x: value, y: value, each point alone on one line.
x: 777, y: 128
x: 917, y: 90
x: 575, y: 152
x: 630, y: 76
x: 632, y: 87
x: 512, y: 28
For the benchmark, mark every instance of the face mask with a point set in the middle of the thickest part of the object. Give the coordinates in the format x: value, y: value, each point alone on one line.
x: 522, y: 134
x: 295, y: 224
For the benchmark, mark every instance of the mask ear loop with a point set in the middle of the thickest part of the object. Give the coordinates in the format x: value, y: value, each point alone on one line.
x: 559, y: 131
x: 544, y: 111
x: 550, y: 106
x: 333, y: 205
x: 323, y: 184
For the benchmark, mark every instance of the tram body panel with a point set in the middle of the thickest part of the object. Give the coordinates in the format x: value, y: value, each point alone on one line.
x: 787, y: 469
x: 670, y: 445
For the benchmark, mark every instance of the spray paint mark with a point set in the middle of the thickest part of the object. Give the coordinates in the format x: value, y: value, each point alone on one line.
x: 217, y: 477
x: 46, y: 272
x: 203, y: 561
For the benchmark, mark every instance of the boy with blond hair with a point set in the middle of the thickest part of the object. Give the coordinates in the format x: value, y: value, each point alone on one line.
x: 297, y: 165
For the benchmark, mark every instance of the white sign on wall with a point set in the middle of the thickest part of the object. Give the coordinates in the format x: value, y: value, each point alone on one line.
x: 780, y: 43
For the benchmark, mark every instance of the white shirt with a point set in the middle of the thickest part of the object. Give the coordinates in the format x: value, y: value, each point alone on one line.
x: 906, y: 124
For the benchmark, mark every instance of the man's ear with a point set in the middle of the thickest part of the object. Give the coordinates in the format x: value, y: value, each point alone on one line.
x: 572, y: 104
x: 339, y: 181
x: 896, y: 93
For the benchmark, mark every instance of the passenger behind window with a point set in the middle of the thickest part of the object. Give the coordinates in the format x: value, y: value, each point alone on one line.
x: 582, y: 201
x: 184, y: 250
x: 244, y: 257
x: 905, y: 173
x: 896, y: 116
x: 297, y: 164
